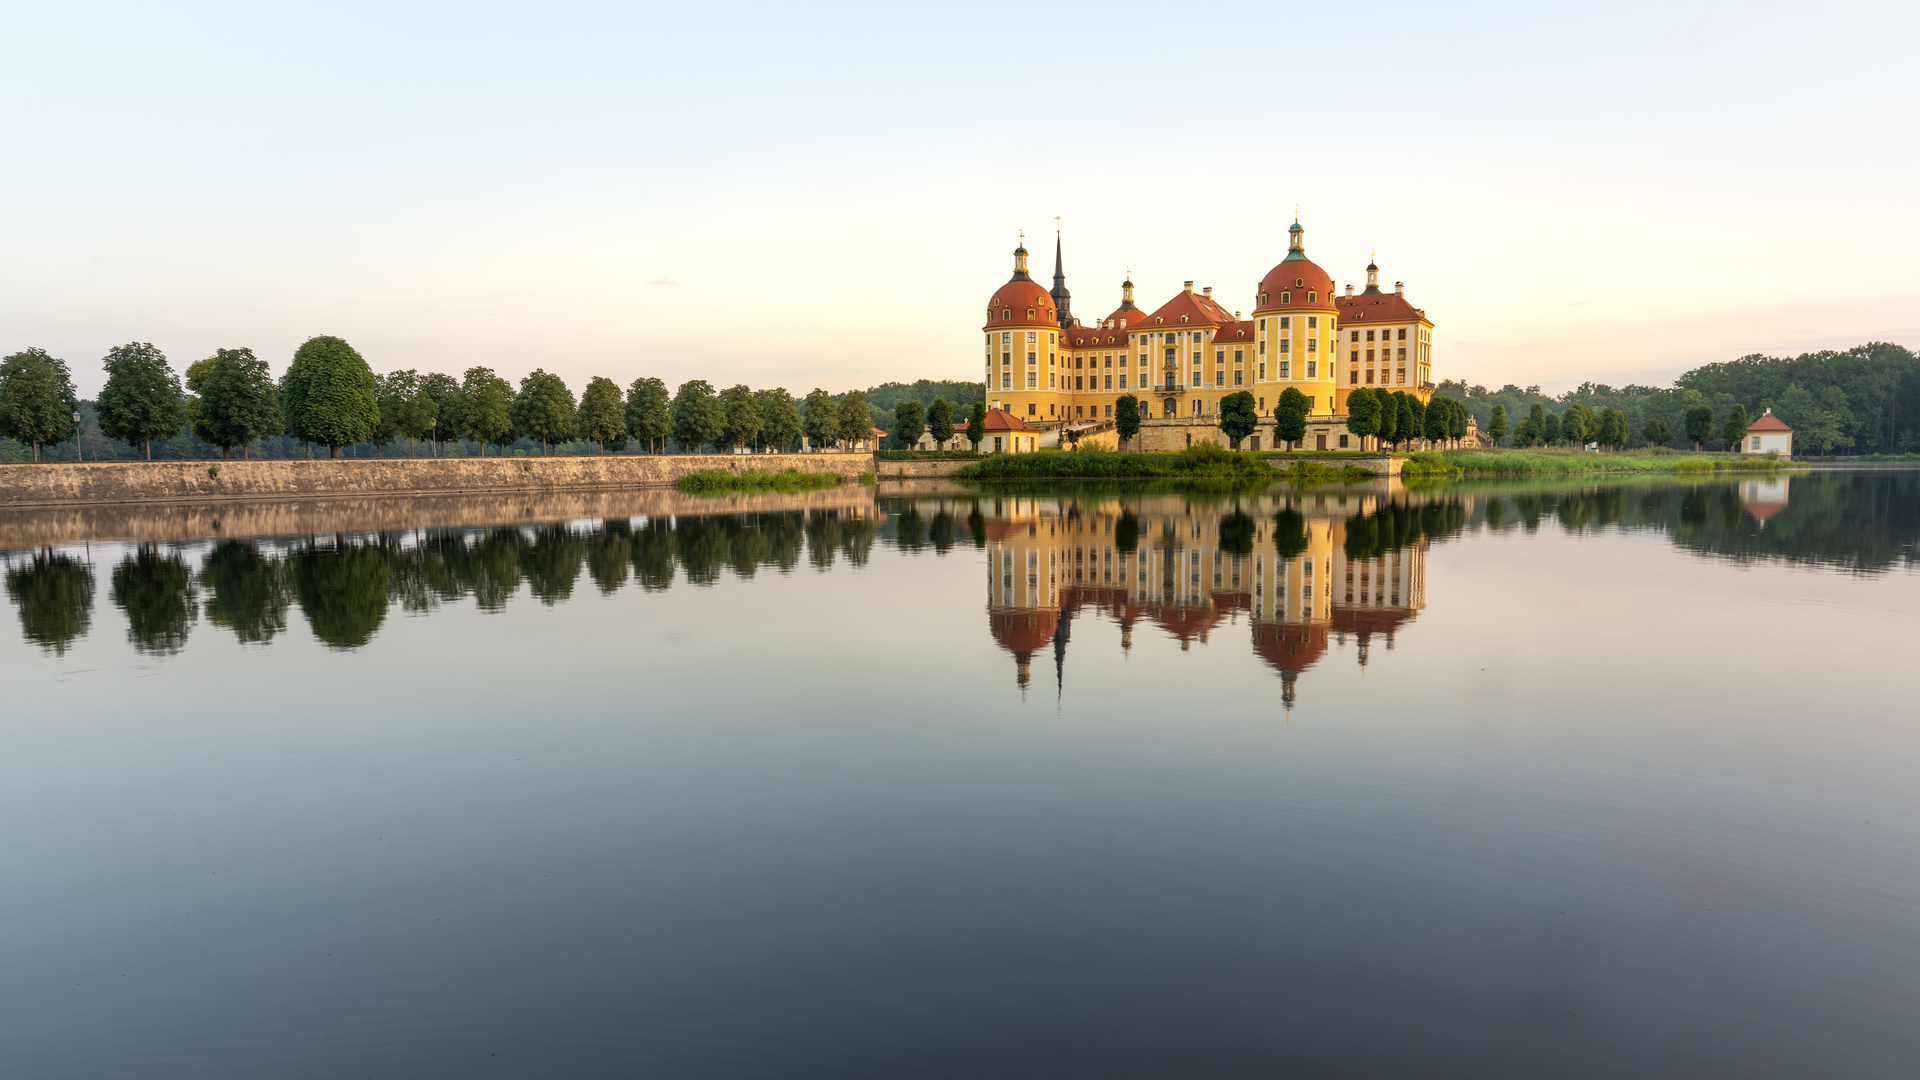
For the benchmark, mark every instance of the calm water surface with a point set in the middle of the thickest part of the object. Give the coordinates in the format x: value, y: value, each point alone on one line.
x: 1474, y: 781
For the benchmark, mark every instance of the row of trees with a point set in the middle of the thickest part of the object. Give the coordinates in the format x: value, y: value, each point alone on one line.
x: 330, y: 397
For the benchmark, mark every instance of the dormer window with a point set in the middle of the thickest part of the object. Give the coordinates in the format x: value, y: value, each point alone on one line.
x: 1183, y: 319
x: 1310, y: 298
x: 1299, y: 283
x: 1286, y: 298
x: 1029, y: 313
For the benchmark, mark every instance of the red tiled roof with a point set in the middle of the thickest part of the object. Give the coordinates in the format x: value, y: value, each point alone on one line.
x: 1002, y: 420
x: 1199, y: 310
x: 1091, y: 337
x: 1024, y: 633
x: 1234, y: 331
x: 1133, y: 315
x: 1022, y: 304
x: 1768, y: 422
x: 1296, y: 277
x: 1378, y: 307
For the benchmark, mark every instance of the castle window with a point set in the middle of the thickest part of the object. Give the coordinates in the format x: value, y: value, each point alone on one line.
x: 1006, y: 338
x: 1286, y: 322
x: 1299, y: 282
x: 1263, y: 299
x: 1286, y: 369
x: 1239, y: 355
x: 1313, y: 322
x: 1286, y: 345
x: 1310, y: 297
x: 1029, y: 313
x: 1286, y: 298
x: 1353, y: 356
x: 1369, y: 334
x: 1403, y: 333
x: 1236, y: 376
x: 1220, y: 356
x: 1356, y: 335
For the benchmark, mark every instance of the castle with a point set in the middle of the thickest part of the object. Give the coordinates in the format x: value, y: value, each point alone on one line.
x: 1050, y: 369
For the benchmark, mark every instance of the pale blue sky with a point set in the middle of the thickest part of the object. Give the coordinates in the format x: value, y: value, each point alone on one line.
x: 827, y: 194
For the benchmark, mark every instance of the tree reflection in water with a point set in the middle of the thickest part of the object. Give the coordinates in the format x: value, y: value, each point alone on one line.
x: 54, y: 593
x: 156, y: 591
x: 247, y: 593
x: 1859, y: 522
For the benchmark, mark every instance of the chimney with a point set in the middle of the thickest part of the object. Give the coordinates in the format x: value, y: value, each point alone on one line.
x: 1399, y: 288
x: 1189, y: 286
x: 1349, y: 290
x: 1207, y: 292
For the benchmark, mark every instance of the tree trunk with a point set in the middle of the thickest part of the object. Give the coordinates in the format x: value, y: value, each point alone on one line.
x: 149, y: 449
x: 333, y: 451
x: 226, y: 453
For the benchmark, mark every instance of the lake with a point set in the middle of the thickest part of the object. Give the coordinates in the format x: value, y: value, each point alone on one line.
x: 1473, y: 779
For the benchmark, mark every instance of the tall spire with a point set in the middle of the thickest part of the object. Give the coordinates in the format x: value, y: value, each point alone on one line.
x: 1062, y: 299
x: 1296, y: 241
x: 1373, y: 277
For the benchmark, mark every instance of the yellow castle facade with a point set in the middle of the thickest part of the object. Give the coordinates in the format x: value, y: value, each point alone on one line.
x: 1050, y: 368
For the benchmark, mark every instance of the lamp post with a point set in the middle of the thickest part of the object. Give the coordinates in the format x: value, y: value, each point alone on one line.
x: 78, y: 450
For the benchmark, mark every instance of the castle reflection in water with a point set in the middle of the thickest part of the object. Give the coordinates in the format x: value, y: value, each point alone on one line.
x: 1305, y: 572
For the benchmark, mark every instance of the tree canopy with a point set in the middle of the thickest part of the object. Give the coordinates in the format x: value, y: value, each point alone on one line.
x: 327, y: 395
x: 741, y: 419
x: 856, y: 419
x: 1363, y: 412
x: 238, y: 401
x: 142, y: 400
x: 909, y: 423
x: 543, y: 410
x: 1290, y: 417
x: 779, y: 419
x: 1238, y: 417
x: 603, y: 413
x: 697, y: 416
x: 486, y: 407
x: 649, y: 413
x: 1126, y: 417
x: 821, y: 423
x: 37, y: 402
x: 940, y: 422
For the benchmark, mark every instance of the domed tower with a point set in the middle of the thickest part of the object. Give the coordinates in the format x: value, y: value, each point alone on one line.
x: 1296, y: 339
x: 1022, y: 336
x: 1127, y: 313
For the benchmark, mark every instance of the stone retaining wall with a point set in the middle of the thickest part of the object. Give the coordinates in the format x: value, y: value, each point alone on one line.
x: 193, y: 481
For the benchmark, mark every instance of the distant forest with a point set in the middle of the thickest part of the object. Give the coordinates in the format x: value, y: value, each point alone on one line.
x: 1865, y: 400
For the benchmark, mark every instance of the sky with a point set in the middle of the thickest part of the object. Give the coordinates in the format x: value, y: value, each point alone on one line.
x: 827, y: 195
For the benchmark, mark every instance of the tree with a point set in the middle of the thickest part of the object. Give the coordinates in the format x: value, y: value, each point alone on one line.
x: 779, y: 419
x: 1238, y: 417
x: 342, y: 591
x: 741, y: 424
x: 1657, y: 432
x: 1386, y: 417
x: 1818, y: 423
x: 1699, y: 424
x: 821, y: 424
x: 1550, y: 434
x: 1533, y: 429
x: 977, y: 425
x: 444, y: 392
x: 1408, y: 420
x: 603, y: 413
x: 1435, y: 427
x: 37, y: 402
x: 142, y: 400
x: 697, y: 416
x: 1497, y: 424
x: 856, y: 419
x: 327, y: 395
x: 1576, y: 424
x: 649, y: 414
x: 543, y: 409
x: 909, y: 423
x: 1290, y: 417
x: 486, y: 408
x: 1126, y: 418
x: 1414, y: 419
x: 406, y: 412
x: 940, y: 422
x: 1735, y: 431
x: 1613, y: 428
x: 1363, y: 413
x: 238, y: 402
x: 247, y: 593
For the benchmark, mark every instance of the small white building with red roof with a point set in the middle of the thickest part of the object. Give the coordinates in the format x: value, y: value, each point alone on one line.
x: 1008, y: 434
x: 1769, y: 434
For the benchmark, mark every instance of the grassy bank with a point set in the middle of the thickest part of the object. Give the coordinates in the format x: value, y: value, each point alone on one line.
x: 1577, y: 462
x: 1088, y: 463
x: 1200, y: 461
x: 716, y: 480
